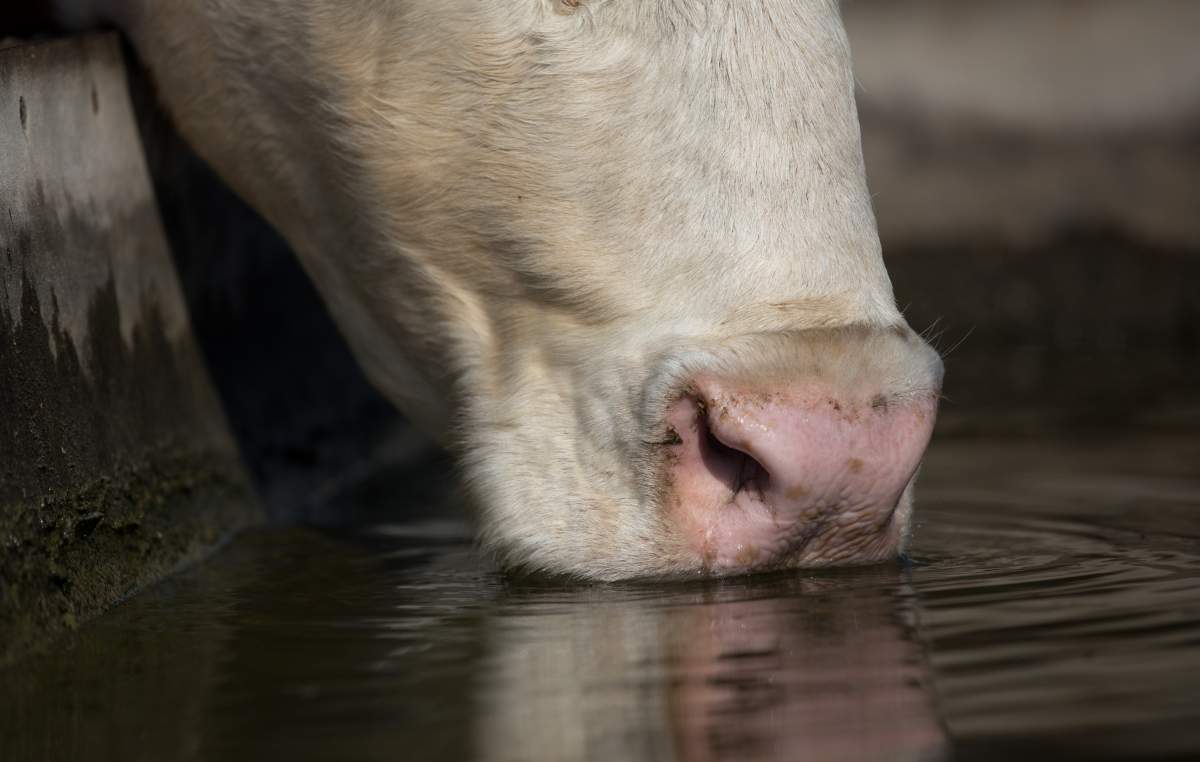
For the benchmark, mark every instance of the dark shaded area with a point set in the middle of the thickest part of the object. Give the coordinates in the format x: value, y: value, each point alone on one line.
x: 303, y: 413
x: 1089, y: 329
x: 1131, y: 744
x: 25, y: 18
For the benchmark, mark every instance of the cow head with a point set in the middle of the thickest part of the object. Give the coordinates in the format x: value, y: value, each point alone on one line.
x: 619, y: 255
x: 632, y: 260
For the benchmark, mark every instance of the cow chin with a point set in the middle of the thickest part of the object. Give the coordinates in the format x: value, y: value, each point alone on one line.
x: 772, y: 450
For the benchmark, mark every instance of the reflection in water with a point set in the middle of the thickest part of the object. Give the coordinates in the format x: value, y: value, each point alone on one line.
x: 1051, y: 609
x: 784, y: 668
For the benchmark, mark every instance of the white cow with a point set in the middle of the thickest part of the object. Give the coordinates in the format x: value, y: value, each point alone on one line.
x: 618, y: 255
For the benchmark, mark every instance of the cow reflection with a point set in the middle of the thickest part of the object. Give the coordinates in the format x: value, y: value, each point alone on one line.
x: 824, y: 668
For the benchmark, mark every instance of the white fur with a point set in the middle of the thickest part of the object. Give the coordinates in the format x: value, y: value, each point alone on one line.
x: 530, y: 216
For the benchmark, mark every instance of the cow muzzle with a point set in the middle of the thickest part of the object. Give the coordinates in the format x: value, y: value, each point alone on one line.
x: 799, y: 474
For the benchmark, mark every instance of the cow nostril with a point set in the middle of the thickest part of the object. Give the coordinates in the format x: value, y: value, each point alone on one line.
x: 738, y: 468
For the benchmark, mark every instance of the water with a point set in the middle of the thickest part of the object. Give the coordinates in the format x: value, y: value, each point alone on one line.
x: 1051, y: 609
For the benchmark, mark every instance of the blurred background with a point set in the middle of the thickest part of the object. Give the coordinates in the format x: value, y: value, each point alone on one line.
x: 1036, y: 171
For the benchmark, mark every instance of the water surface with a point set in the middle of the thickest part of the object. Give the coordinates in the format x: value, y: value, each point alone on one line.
x: 1050, y: 609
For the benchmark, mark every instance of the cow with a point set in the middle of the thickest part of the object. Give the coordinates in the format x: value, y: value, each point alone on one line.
x: 618, y: 256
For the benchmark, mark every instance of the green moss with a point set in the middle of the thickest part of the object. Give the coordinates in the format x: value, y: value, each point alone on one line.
x: 72, y: 553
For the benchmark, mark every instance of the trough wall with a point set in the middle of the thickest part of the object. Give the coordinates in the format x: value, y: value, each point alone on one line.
x: 116, y: 459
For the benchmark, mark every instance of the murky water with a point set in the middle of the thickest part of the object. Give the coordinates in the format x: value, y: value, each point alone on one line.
x: 1051, y: 609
